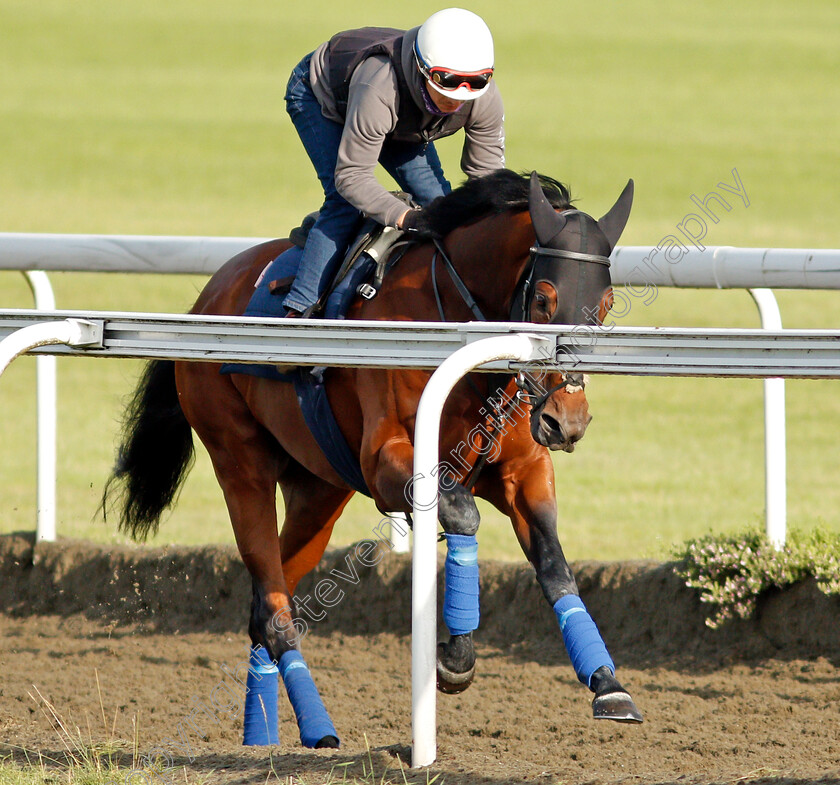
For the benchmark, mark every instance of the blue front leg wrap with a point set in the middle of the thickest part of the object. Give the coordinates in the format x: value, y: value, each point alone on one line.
x: 460, y: 599
x: 313, y: 721
x: 260, y: 718
x: 583, y: 641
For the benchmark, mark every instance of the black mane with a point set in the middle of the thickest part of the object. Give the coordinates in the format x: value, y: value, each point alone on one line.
x: 489, y: 195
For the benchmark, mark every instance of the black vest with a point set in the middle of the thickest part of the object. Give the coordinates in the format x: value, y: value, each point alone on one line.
x: 348, y: 49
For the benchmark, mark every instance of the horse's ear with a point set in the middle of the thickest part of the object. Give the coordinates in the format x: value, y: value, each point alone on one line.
x: 613, y: 223
x: 547, y: 222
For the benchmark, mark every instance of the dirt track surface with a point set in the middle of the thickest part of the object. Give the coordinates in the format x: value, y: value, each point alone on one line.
x: 757, y: 702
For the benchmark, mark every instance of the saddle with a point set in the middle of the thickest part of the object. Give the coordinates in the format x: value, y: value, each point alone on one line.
x: 371, y: 254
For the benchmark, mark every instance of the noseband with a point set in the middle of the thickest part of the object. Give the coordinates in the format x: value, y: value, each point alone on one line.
x: 535, y: 396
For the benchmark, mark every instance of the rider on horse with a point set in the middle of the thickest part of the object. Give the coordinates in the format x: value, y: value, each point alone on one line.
x: 379, y: 95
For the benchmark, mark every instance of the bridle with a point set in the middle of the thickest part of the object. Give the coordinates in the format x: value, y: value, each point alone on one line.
x: 544, y: 264
x: 572, y: 268
x: 528, y: 393
x: 535, y: 397
x: 529, y: 390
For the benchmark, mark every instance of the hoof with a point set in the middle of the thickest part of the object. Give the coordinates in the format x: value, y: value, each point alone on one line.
x: 448, y: 681
x: 616, y: 706
x: 327, y: 743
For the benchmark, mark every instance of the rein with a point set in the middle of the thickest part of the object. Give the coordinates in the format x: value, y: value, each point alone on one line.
x: 498, y: 421
x: 465, y: 293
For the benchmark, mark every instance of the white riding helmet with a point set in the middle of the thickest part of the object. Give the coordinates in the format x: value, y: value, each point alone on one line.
x: 454, y: 51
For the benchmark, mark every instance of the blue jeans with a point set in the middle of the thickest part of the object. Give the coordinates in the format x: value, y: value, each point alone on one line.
x: 415, y: 167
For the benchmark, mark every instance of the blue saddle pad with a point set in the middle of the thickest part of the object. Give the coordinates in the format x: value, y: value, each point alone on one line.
x: 313, y: 401
x: 264, y: 303
x: 311, y: 394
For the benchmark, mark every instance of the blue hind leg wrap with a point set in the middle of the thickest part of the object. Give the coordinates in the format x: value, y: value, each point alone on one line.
x: 584, y: 644
x: 460, y: 600
x: 313, y: 721
x: 260, y: 717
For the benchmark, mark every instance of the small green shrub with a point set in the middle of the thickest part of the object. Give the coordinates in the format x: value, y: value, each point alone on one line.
x: 731, y: 571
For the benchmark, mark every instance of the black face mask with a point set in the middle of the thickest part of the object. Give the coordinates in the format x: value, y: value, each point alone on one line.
x: 562, y: 257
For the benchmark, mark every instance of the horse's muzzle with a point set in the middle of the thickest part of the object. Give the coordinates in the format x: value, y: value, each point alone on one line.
x: 556, y: 434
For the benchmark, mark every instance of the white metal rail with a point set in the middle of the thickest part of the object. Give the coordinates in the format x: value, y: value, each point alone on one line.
x: 726, y: 267
x: 718, y: 267
x: 47, y: 414
x: 103, y: 253
x: 507, y: 348
x: 638, y: 351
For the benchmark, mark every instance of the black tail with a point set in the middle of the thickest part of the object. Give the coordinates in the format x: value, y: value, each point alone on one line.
x: 155, y: 454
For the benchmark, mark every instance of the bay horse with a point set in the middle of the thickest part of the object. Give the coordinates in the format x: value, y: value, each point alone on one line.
x: 506, y: 247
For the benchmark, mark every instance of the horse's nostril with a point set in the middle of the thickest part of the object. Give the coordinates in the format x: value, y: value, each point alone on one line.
x: 553, y: 424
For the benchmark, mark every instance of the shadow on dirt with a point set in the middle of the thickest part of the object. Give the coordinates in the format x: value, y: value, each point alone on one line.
x: 646, y: 614
x: 381, y: 765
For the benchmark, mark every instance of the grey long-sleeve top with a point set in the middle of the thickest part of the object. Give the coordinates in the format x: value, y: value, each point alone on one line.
x: 372, y: 113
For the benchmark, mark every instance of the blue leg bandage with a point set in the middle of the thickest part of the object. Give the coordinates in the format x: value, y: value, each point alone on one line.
x: 583, y: 641
x: 261, y: 727
x: 313, y: 721
x: 460, y: 600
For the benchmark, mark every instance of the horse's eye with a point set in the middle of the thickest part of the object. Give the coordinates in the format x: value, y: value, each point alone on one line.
x: 541, y: 299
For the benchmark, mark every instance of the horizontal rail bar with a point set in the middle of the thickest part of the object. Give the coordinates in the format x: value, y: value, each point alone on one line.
x: 726, y: 267
x: 646, y: 351
x: 711, y: 267
x: 97, y: 253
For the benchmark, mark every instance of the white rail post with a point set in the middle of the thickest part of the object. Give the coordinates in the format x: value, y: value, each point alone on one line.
x: 47, y: 417
x: 74, y: 332
x: 521, y: 348
x: 775, y: 451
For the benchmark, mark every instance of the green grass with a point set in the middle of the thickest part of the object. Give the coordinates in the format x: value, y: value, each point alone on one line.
x: 168, y: 118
